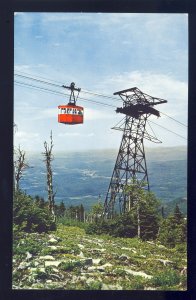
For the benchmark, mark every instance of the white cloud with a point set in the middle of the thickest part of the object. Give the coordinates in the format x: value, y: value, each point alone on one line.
x: 156, y: 85
x: 75, y: 134
x: 95, y: 114
x: 25, y: 136
x: 22, y: 67
x: 48, y: 113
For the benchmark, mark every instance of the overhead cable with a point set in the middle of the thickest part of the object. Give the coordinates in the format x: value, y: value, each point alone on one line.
x: 168, y: 130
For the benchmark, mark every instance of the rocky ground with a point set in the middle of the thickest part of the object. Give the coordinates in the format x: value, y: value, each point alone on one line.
x: 72, y: 260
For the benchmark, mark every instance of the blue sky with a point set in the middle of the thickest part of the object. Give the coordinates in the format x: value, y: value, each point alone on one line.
x: 102, y: 53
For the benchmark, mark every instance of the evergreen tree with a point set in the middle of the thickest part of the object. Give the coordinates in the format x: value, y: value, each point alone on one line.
x: 173, y: 229
x: 97, y: 211
x: 144, y: 206
x: 82, y: 213
x: 40, y: 201
x: 178, y: 216
x: 29, y: 217
x: 62, y: 209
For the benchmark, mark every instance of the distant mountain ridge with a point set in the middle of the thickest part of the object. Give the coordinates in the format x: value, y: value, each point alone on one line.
x: 154, y: 153
x: 166, y: 153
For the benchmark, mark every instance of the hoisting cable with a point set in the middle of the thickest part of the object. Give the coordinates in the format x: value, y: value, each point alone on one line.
x: 50, y: 83
x: 63, y: 94
x: 100, y: 95
x: 152, y: 129
x: 168, y: 130
x: 173, y: 119
x: 36, y: 76
x: 84, y: 91
x: 42, y: 89
x: 83, y: 99
x: 38, y: 80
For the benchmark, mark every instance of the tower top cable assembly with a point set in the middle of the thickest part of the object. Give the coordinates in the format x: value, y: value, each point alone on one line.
x: 137, y: 103
x: 130, y: 166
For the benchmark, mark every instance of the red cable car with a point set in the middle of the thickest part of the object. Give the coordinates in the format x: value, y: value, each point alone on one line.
x: 71, y: 113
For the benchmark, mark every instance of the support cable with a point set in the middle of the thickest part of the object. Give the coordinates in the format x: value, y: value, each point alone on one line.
x: 173, y: 119
x: 83, y: 99
x: 32, y: 77
x: 168, y: 130
x: 59, y: 93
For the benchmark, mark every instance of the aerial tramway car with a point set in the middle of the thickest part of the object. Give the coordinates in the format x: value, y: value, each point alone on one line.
x: 71, y: 113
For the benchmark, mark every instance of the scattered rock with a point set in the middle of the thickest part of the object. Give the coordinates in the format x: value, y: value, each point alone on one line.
x: 138, y: 273
x: 29, y: 256
x: 107, y: 265
x: 123, y: 257
x: 53, y: 247
x: 52, y: 263
x: 87, y: 261
x: 47, y: 257
x: 111, y: 287
x: 92, y: 268
x: 81, y: 254
x: 184, y: 271
x: 55, y: 270
x: 49, y: 281
x: 98, y: 250
x: 100, y: 268
x: 165, y: 261
x: 130, y: 249
x: 23, y: 265
x: 96, y: 261
x: 35, y: 270
x: 150, y: 242
x: 161, y: 246
x: 53, y: 241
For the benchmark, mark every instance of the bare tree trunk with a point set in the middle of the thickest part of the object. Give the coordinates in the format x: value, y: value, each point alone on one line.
x: 19, y: 166
x: 138, y: 222
x: 48, y: 159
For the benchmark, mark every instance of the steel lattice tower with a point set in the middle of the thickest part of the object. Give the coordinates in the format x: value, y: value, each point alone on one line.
x: 131, y: 160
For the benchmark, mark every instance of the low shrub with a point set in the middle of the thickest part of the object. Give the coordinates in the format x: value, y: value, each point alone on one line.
x: 166, y: 278
x: 25, y: 245
x: 70, y: 265
x: 30, y: 217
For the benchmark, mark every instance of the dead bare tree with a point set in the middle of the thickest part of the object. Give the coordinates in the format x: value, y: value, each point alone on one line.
x: 48, y: 159
x: 19, y: 166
